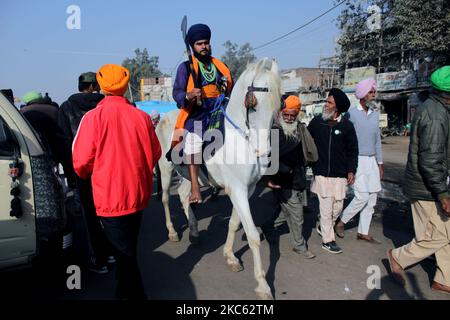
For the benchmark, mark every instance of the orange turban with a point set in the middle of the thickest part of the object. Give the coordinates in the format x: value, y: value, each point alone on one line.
x: 113, y: 79
x: 293, y: 103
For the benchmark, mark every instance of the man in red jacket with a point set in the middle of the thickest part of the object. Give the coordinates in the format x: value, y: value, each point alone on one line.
x: 117, y: 147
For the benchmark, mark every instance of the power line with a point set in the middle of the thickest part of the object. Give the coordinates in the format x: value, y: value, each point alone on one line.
x: 290, y: 43
x: 301, y: 27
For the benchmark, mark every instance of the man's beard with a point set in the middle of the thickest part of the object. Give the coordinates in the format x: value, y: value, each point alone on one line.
x: 204, y: 58
x: 327, y: 116
x: 290, y: 130
x: 372, y: 105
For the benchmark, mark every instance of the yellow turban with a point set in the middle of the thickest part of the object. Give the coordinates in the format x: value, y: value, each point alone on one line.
x: 293, y: 103
x: 113, y: 79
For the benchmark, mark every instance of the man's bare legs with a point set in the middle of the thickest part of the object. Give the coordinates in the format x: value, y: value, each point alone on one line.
x: 195, y: 160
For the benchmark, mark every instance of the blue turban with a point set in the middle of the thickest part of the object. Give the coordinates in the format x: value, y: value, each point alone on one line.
x: 198, y: 32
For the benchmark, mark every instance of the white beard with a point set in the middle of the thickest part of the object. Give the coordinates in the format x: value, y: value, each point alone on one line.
x: 290, y: 130
x: 372, y: 105
x: 328, y: 115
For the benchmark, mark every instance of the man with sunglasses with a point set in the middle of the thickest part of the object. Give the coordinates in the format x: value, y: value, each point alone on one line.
x: 370, y: 161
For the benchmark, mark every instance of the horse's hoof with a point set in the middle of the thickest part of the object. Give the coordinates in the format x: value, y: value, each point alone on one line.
x: 236, y: 267
x: 174, y: 237
x: 264, y: 296
x: 194, y: 239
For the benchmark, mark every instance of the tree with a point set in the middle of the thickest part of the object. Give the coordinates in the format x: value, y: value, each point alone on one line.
x: 363, y: 38
x: 141, y: 66
x: 409, y: 30
x: 424, y: 25
x: 237, y: 58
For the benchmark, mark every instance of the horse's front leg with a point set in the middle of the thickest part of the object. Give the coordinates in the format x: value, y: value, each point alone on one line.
x: 233, y: 226
x: 184, y: 190
x: 166, y: 179
x: 239, y: 198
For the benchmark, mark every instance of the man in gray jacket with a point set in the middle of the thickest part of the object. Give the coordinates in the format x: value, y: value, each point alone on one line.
x: 426, y: 185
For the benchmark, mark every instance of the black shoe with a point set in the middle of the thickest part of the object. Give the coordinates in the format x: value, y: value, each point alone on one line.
x: 332, y: 247
x: 100, y: 269
x: 111, y: 260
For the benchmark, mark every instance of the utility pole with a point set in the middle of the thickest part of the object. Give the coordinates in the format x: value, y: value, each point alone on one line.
x: 333, y: 70
x: 320, y: 69
x: 131, y: 92
x: 380, y: 48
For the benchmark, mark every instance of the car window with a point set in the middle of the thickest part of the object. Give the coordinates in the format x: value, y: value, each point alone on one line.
x: 8, y: 142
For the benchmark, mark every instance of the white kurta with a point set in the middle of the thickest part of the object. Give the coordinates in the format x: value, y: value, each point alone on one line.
x: 367, y: 184
x: 367, y: 177
x: 329, y: 187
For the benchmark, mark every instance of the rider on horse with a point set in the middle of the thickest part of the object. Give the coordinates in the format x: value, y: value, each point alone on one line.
x: 210, y: 73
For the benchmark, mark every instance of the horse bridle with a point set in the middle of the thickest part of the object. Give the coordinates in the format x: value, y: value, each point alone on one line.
x: 257, y: 89
x: 250, y: 100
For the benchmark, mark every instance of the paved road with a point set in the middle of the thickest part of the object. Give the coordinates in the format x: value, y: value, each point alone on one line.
x: 395, y: 154
x: 184, y: 271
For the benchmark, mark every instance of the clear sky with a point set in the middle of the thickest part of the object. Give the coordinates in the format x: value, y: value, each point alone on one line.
x: 38, y: 51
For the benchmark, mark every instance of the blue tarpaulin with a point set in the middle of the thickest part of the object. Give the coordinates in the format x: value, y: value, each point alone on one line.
x: 161, y: 106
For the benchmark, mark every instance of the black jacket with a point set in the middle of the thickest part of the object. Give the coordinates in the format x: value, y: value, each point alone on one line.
x: 69, y: 118
x: 337, y: 145
x: 291, y: 172
x: 43, y: 118
x: 429, y: 158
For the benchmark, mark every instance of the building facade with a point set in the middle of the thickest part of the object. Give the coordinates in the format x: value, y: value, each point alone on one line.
x: 156, y: 89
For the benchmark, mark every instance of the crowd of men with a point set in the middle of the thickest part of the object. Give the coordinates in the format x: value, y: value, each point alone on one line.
x: 109, y: 148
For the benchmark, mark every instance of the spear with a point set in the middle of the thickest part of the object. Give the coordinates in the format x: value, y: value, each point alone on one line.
x: 189, y: 53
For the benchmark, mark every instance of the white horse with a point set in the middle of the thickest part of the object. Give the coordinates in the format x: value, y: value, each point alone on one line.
x: 164, y: 131
x: 238, y: 165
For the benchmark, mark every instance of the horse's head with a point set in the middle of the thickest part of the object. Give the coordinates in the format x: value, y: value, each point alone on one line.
x: 260, y: 80
x: 261, y: 84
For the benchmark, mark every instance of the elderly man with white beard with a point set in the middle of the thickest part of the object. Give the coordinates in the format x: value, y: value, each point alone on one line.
x: 336, y: 142
x: 290, y: 181
x: 370, y: 162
